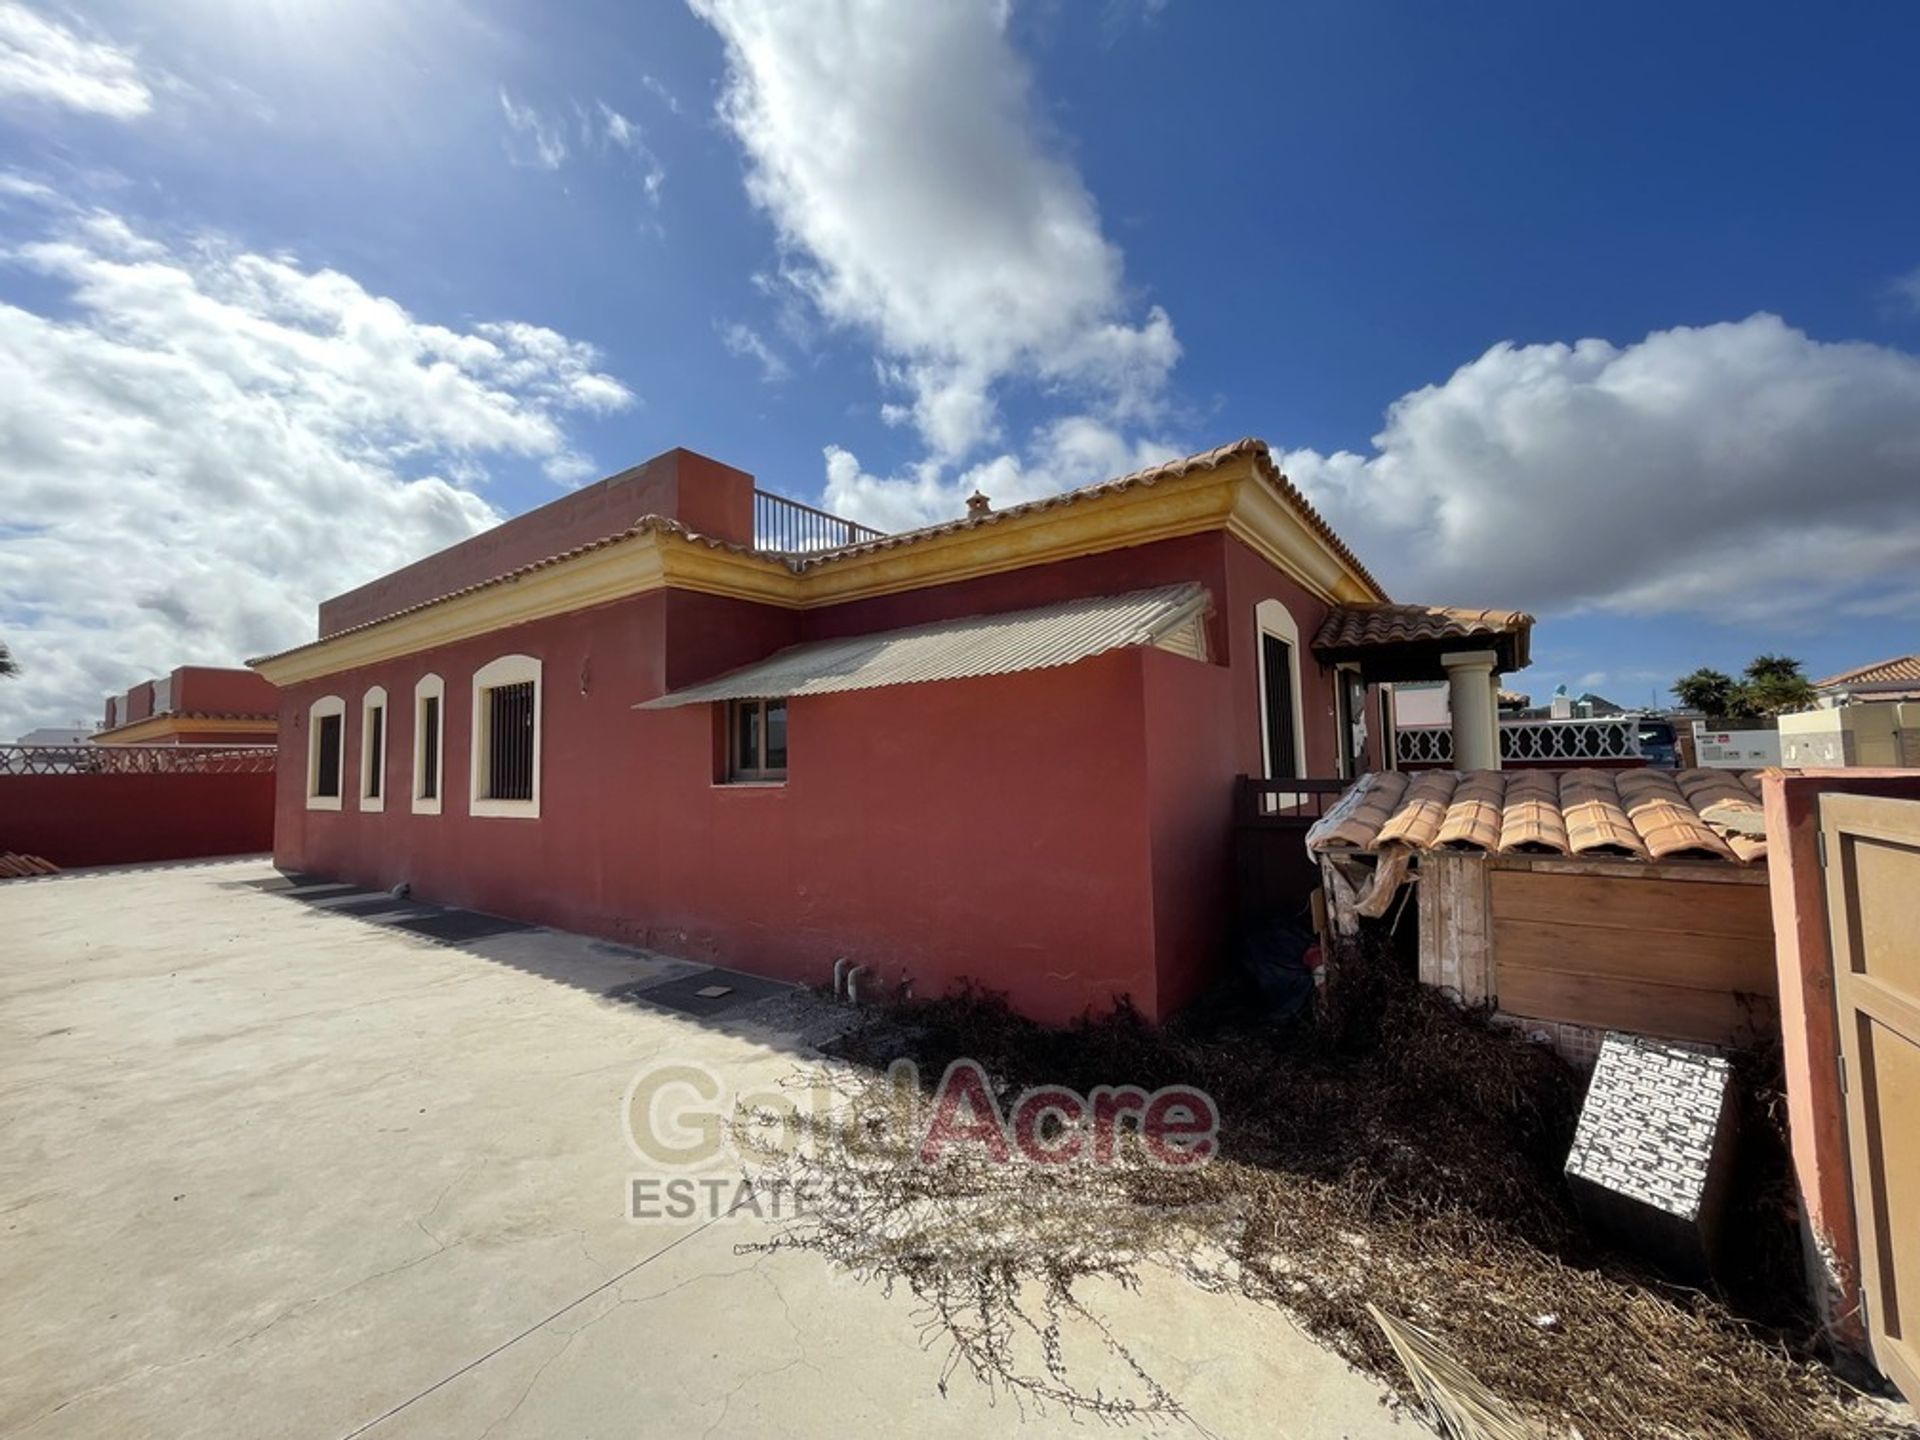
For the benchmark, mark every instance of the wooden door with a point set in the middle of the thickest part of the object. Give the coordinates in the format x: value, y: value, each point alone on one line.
x: 1871, y: 849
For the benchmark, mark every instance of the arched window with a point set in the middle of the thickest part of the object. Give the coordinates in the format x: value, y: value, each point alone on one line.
x: 506, y: 738
x: 1277, y: 650
x: 429, y: 742
x: 373, y: 749
x: 326, y: 752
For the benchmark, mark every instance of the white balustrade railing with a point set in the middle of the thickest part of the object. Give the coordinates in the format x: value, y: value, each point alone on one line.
x: 1559, y: 742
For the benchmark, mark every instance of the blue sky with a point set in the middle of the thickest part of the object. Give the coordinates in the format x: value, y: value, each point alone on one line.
x: 1610, y: 312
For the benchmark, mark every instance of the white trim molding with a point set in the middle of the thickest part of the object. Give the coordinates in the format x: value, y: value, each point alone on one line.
x: 429, y: 687
x: 374, y: 699
x: 1271, y: 617
x: 507, y: 670
x: 323, y: 708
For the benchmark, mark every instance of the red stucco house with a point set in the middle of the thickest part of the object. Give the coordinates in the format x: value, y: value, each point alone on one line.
x: 677, y: 711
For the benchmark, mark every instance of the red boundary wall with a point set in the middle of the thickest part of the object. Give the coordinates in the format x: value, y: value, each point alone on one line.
x: 76, y: 820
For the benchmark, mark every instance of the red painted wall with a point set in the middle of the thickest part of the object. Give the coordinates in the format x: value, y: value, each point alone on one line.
x: 709, y: 497
x: 993, y: 829
x: 1061, y: 835
x: 223, y: 692
x: 126, y: 819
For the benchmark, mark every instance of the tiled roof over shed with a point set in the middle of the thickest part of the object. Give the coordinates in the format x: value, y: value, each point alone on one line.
x: 1641, y: 814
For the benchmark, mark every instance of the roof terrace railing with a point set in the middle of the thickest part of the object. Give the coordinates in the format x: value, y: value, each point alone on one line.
x: 137, y: 759
x: 788, y: 527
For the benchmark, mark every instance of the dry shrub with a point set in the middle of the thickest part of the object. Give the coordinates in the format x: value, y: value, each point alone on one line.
x: 1399, y: 1151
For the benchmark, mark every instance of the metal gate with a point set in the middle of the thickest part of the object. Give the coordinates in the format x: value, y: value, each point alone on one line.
x: 1870, y: 847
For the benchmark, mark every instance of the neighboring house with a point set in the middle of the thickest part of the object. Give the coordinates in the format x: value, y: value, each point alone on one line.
x: 678, y: 711
x: 194, y: 705
x: 53, y: 735
x: 1896, y: 679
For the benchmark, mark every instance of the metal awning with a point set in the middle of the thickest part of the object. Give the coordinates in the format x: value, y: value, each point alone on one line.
x: 1169, y: 617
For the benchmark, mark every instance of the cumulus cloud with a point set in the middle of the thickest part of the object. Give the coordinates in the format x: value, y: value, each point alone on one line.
x: 1062, y: 454
x: 46, y: 63
x: 921, y: 202
x: 201, y: 442
x: 1733, y: 471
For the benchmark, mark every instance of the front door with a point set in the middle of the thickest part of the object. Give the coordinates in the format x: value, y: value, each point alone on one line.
x: 1871, y: 849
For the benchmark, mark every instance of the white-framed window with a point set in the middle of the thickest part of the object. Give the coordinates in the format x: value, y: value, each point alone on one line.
x: 373, y: 749
x: 429, y: 743
x: 506, y: 738
x: 1277, y: 651
x: 326, y: 752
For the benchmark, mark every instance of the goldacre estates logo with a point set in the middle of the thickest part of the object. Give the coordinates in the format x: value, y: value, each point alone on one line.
x: 702, y: 1142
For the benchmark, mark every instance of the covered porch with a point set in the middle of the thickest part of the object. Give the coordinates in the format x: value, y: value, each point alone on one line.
x: 1386, y: 644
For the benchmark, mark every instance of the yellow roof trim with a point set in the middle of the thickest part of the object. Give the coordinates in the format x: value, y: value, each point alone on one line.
x: 1234, y: 495
x: 166, y: 726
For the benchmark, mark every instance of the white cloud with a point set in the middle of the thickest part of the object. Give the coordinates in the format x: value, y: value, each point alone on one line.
x: 922, y: 202
x: 1061, y: 455
x: 660, y: 92
x: 748, y: 344
x: 537, y: 139
x: 44, y: 62
x: 534, y: 140
x: 1733, y: 471
x: 201, y: 442
x: 623, y: 134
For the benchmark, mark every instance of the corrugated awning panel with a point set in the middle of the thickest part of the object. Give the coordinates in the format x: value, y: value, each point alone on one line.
x: 964, y: 649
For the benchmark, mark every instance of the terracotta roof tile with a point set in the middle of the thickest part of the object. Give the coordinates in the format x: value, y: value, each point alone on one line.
x: 1422, y: 811
x: 1169, y: 470
x: 1881, y: 672
x: 1473, y: 818
x: 1641, y: 814
x: 1350, y: 625
x: 1530, y: 820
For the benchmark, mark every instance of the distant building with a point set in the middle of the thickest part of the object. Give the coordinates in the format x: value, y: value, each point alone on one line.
x: 194, y: 705
x: 1895, y: 679
x: 53, y: 735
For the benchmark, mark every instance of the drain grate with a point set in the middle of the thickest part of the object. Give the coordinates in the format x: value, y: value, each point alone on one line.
x: 330, y: 892
x: 705, y: 992
x: 381, y: 905
x: 286, y: 880
x: 461, y: 925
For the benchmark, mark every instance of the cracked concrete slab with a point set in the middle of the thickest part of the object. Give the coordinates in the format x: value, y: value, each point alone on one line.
x: 269, y: 1171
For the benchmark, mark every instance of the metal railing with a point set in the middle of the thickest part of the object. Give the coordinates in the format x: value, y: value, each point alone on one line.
x: 137, y: 759
x: 788, y: 527
x: 1287, y: 801
x: 1568, y: 742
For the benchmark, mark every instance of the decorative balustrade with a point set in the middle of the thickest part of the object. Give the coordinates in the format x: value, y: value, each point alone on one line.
x: 1549, y: 742
x: 788, y: 527
x: 137, y: 759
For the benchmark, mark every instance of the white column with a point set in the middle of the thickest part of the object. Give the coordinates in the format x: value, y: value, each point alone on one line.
x: 1470, y: 692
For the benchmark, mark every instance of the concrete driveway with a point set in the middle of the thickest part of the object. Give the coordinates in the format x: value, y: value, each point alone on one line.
x: 267, y: 1169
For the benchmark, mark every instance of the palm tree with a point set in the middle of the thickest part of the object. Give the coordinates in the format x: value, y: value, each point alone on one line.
x: 7, y: 666
x: 1712, y: 692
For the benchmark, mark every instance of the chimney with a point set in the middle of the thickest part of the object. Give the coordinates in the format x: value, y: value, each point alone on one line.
x: 978, y: 505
